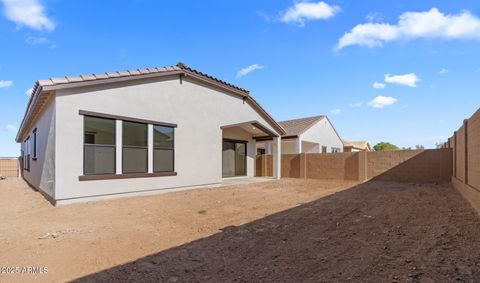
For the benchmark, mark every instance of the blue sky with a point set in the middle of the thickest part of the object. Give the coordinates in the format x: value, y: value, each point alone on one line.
x: 406, y: 72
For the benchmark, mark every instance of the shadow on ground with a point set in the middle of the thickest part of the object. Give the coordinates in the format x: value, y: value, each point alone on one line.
x: 375, y: 232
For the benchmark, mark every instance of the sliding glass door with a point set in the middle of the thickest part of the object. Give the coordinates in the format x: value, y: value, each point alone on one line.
x: 234, y: 158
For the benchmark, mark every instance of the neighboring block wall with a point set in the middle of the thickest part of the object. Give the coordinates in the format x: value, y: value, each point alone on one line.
x: 452, y: 146
x: 465, y: 144
x: 474, y: 151
x: 332, y: 166
x: 401, y: 166
x: 9, y: 167
x: 410, y: 165
x: 264, y: 166
x: 460, y: 154
x: 379, y: 162
x: 269, y: 161
x: 291, y: 165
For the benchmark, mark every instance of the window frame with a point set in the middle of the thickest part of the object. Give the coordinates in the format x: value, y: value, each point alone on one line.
x: 26, y: 162
x: 164, y: 148
x: 34, y: 158
x: 118, y: 146
x: 134, y: 147
x: 100, y: 145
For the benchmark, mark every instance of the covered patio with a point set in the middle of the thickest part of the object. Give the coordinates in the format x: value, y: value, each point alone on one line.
x: 239, y: 149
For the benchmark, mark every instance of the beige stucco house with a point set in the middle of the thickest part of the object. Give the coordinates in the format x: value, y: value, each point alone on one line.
x: 140, y: 132
x: 306, y: 135
x: 356, y: 146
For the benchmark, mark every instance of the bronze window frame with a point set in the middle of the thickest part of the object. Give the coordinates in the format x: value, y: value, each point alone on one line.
x: 164, y: 148
x: 100, y: 145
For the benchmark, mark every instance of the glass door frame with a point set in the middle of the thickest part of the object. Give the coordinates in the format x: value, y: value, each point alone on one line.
x: 235, y: 142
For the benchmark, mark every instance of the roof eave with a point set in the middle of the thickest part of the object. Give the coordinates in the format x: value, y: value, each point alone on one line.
x: 110, y: 80
x: 37, y: 90
x: 183, y: 73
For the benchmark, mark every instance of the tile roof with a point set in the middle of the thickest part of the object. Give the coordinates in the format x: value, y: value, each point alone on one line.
x: 299, y: 126
x: 131, y: 73
x: 187, y: 68
x: 180, y: 69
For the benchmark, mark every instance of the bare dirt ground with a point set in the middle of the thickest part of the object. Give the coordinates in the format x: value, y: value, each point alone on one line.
x: 279, y: 231
x: 82, y: 239
x: 375, y: 232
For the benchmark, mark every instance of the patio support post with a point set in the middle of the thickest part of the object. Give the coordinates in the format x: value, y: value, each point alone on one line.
x: 277, y: 157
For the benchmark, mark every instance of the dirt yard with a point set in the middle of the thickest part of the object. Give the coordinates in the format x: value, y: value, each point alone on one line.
x: 288, y: 230
x: 81, y: 239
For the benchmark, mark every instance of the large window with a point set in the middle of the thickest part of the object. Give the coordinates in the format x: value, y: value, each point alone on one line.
x: 144, y: 148
x: 135, y: 147
x: 99, y: 146
x: 163, y: 149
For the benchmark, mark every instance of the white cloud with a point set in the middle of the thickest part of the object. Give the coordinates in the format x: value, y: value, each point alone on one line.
x: 266, y: 17
x: 412, y: 25
x: 34, y: 40
x: 382, y: 101
x: 5, y: 84
x: 305, y: 11
x: 29, y: 92
x: 443, y: 71
x: 410, y: 79
x: 335, y: 111
x: 247, y: 70
x: 355, y: 105
x: 374, y: 17
x: 378, y: 85
x: 11, y: 128
x: 30, y: 13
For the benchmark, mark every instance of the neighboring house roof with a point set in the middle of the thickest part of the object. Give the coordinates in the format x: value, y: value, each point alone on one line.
x: 43, y: 88
x: 361, y: 145
x: 297, y: 127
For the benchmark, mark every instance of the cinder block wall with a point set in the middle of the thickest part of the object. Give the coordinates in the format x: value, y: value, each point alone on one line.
x: 291, y: 165
x: 264, y: 166
x: 473, y: 150
x: 465, y: 144
x: 401, y: 166
x: 334, y: 166
x: 460, y: 154
x: 259, y: 165
x: 378, y: 162
x: 9, y: 167
x: 410, y: 165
